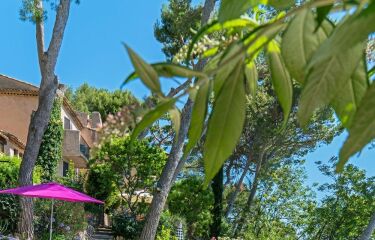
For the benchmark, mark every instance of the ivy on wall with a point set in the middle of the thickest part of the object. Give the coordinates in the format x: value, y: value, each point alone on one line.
x: 50, y: 151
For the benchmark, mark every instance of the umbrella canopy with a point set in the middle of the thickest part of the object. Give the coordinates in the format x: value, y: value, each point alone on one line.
x: 52, y: 191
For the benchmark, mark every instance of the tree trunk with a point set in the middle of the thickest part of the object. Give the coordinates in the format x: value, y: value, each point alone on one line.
x: 251, y: 197
x: 39, y: 120
x: 366, y: 235
x: 167, y: 175
x: 217, y: 211
x: 233, y: 195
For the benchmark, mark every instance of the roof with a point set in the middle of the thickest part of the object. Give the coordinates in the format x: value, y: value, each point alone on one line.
x: 12, y: 86
x: 15, y: 84
x: 12, y: 138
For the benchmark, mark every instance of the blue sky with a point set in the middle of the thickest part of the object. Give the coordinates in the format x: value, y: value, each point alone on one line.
x: 92, y: 52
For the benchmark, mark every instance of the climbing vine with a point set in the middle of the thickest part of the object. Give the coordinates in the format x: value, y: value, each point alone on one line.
x: 50, y: 151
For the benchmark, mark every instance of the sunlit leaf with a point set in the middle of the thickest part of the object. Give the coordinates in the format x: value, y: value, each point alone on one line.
x: 231, y: 9
x: 362, y: 131
x: 350, y: 95
x: 324, y: 79
x: 145, y: 71
x: 232, y: 57
x: 281, y: 81
x: 300, y: 41
x: 216, y: 26
x: 168, y: 70
x: 198, y: 115
x: 351, y: 32
x: 251, y: 75
x: 152, y: 116
x: 225, y: 124
x: 281, y: 4
x: 175, y: 116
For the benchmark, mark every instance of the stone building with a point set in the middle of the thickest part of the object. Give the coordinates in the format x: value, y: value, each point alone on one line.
x: 18, y: 100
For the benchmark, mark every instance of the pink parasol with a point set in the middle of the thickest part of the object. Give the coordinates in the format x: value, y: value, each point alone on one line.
x: 51, y: 191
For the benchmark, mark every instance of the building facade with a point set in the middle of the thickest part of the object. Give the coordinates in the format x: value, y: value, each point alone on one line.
x: 18, y: 101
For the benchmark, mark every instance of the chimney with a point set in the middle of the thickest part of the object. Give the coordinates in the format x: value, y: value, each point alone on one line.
x: 96, y: 120
x: 83, y: 118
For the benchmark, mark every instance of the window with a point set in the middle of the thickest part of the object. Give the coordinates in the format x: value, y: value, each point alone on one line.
x: 67, y: 123
x: 65, y: 168
x: 15, y: 152
x: 3, y: 142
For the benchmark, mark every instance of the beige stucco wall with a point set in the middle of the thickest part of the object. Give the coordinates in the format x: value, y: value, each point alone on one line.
x: 15, y: 114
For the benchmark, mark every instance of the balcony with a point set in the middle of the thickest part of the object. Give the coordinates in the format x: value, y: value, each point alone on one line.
x: 74, y: 149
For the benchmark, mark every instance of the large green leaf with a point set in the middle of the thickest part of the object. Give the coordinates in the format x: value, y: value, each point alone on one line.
x: 321, y: 14
x: 231, y: 9
x: 145, y: 71
x: 168, y: 70
x: 225, y: 124
x: 362, y: 131
x: 325, y: 78
x: 300, y: 41
x: 350, y: 32
x: 281, y: 4
x: 350, y: 95
x: 198, y: 115
x: 152, y: 116
x: 175, y: 116
x: 251, y: 75
x: 281, y: 81
x: 232, y: 57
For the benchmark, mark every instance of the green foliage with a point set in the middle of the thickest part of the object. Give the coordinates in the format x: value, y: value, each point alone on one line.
x: 69, y: 219
x: 121, y: 171
x: 174, y: 30
x: 347, y: 206
x: 50, y: 152
x: 9, y: 204
x: 165, y: 234
x: 323, y: 57
x: 188, y: 200
x: 90, y: 99
x: 124, y: 225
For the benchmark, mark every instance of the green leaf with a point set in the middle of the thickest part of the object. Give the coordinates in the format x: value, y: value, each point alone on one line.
x: 225, y: 124
x: 145, y: 71
x: 251, y: 75
x: 281, y: 4
x: 168, y: 70
x: 281, y: 81
x: 322, y: 13
x: 300, y: 41
x: 350, y: 32
x: 362, y: 131
x: 175, y: 116
x: 324, y: 78
x: 231, y: 9
x: 151, y: 116
x: 371, y: 72
x: 216, y: 26
x: 232, y: 57
x: 349, y: 96
x: 198, y: 116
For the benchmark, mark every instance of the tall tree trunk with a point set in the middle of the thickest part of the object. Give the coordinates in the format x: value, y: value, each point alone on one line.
x: 39, y: 120
x: 233, y: 195
x: 366, y: 235
x: 251, y: 197
x: 217, y: 211
x: 167, y: 175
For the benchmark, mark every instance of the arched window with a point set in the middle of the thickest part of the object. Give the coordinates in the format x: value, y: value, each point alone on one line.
x: 3, y: 142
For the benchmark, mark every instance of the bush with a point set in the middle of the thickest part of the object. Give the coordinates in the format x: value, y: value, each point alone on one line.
x: 127, y: 226
x: 9, y: 205
x: 69, y: 218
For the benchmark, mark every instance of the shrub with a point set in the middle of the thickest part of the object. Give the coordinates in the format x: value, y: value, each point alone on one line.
x: 127, y: 226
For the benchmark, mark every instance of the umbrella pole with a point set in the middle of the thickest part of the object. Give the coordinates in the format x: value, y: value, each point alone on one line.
x: 50, y: 226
